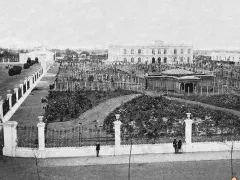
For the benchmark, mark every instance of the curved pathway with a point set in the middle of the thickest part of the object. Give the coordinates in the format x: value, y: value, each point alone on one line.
x: 235, y: 112
x: 99, y: 112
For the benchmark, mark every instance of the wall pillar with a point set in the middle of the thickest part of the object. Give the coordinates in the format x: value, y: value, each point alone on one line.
x: 117, y: 125
x: 21, y: 86
x: 10, y: 138
x: 41, y: 138
x: 41, y: 135
x: 188, y: 132
x: 9, y: 97
x: 1, y: 109
x: 16, y: 92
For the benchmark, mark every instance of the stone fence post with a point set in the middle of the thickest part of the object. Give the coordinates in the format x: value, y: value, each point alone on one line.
x: 21, y: 86
x: 117, y: 128
x: 41, y: 137
x: 41, y: 134
x: 16, y: 92
x: 1, y: 109
x: 188, y: 132
x: 9, y: 97
x: 10, y: 138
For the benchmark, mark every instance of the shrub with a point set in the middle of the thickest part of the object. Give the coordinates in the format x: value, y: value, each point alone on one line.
x: 36, y: 60
x: 11, y: 72
x: 32, y: 62
x: 26, y: 66
x: 18, y: 69
x: 29, y: 60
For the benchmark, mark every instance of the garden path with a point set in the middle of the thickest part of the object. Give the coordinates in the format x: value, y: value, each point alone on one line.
x: 99, y: 112
x: 32, y: 107
x: 237, y: 113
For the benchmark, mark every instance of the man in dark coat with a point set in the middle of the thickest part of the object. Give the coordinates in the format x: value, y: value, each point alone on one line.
x: 175, y: 145
x: 179, y: 146
x: 97, y: 148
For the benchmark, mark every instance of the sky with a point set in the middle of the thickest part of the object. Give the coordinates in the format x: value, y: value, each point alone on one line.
x: 207, y: 24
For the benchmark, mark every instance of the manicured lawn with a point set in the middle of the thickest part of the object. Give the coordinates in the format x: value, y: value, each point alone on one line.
x: 9, y: 82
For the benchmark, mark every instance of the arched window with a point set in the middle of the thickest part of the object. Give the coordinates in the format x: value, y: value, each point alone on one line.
x: 181, y: 59
x: 153, y: 60
x: 165, y: 60
x: 181, y: 51
x: 188, y: 59
x: 175, y: 51
x: 153, y: 51
x: 175, y: 59
x: 189, y: 51
x: 124, y: 51
x: 125, y: 60
x: 132, y: 60
x: 139, y: 51
x: 159, y: 60
x: 165, y: 51
x: 132, y: 51
x: 159, y: 51
x: 139, y: 60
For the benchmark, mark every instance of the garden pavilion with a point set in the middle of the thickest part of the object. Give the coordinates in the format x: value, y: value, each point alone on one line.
x: 177, y: 80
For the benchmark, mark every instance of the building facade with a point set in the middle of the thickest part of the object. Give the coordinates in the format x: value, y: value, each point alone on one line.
x: 42, y: 54
x: 226, y: 56
x: 155, y: 53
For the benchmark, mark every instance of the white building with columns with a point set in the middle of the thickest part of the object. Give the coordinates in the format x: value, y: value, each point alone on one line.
x: 159, y: 52
x: 226, y: 56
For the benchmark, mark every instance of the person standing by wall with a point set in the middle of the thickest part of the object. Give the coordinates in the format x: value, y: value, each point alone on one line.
x: 179, y: 146
x: 175, y: 145
x: 97, y: 148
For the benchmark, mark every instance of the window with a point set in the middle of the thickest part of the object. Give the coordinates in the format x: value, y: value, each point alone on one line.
x: 233, y: 58
x: 175, y: 51
x: 181, y: 58
x: 175, y: 59
x: 189, y: 51
x: 139, y: 60
x: 153, y: 60
x: 125, y: 60
x: 153, y: 51
x: 124, y: 51
x: 188, y: 59
x: 181, y: 51
x: 139, y: 51
x: 165, y: 60
x: 132, y: 51
x: 159, y: 51
x: 165, y: 51
x: 159, y: 60
x: 220, y: 58
x: 132, y: 60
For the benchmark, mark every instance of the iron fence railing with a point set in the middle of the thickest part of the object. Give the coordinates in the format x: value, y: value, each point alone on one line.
x: 77, y: 137
x: 27, y: 136
x: 14, y: 99
x: 19, y: 93
x: 5, y: 107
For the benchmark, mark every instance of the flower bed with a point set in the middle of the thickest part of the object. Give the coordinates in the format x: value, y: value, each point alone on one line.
x: 227, y: 101
x: 65, y: 106
x: 159, y: 117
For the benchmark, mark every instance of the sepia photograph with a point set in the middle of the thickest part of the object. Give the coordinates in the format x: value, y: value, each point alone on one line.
x: 120, y: 90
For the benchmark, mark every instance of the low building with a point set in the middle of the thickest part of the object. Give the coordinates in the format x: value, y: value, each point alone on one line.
x: 159, y: 52
x: 178, y: 80
x: 42, y: 54
x: 226, y: 56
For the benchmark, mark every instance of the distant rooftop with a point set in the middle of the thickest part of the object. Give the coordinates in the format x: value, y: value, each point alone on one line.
x: 177, y: 72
